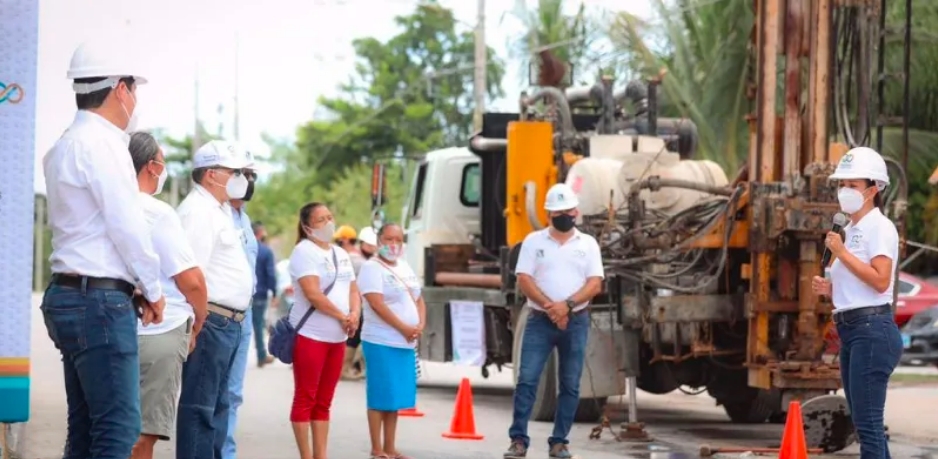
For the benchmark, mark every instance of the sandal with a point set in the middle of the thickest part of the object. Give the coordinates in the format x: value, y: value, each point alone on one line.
x: 399, y: 456
x: 379, y: 456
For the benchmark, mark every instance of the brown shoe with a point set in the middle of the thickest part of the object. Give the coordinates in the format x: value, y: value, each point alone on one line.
x: 267, y: 361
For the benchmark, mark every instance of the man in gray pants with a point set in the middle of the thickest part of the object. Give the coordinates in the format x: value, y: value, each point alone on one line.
x: 164, y: 347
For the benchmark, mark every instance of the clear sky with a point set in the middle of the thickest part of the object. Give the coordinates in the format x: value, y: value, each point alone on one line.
x: 290, y: 52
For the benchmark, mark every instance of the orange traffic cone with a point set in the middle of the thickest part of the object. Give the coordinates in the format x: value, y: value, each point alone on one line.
x: 794, y: 445
x: 411, y: 413
x: 463, y: 426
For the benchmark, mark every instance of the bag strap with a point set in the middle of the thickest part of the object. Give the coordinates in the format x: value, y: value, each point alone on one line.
x: 406, y: 287
x: 325, y: 292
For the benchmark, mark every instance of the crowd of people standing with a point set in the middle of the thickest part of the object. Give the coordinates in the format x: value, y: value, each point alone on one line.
x: 154, y: 309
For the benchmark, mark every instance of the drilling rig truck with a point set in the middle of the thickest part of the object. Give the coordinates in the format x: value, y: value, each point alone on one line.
x: 708, y: 275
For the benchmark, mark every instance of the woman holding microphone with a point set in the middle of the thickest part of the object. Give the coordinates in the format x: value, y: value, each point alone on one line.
x: 861, y: 287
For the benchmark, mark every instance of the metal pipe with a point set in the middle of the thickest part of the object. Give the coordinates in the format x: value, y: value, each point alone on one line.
x: 469, y: 280
x: 566, y: 118
x: 653, y: 108
x: 579, y: 94
x: 479, y: 143
x: 906, y: 73
x: 881, y: 77
x: 632, y: 386
x: 530, y: 204
x: 655, y: 183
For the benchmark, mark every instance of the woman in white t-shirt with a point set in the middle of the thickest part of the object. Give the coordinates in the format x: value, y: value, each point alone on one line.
x: 394, y: 318
x: 323, y: 277
x: 861, y: 287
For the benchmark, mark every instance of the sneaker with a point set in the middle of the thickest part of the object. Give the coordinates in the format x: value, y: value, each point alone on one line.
x: 517, y: 450
x: 560, y: 451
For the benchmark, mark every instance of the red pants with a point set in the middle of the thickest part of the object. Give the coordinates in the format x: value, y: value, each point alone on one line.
x: 317, y: 367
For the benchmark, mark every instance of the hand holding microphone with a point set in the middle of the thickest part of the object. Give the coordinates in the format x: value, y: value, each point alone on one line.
x: 834, y: 243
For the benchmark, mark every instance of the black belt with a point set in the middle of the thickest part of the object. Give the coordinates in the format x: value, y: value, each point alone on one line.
x: 851, y: 314
x: 86, y: 282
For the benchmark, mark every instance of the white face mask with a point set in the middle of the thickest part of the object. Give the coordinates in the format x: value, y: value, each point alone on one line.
x: 323, y: 234
x: 131, y: 117
x: 237, y: 186
x: 161, y: 181
x: 850, y: 200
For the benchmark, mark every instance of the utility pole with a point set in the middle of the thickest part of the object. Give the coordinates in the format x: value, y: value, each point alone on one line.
x: 237, y: 117
x: 481, y: 65
x: 196, y: 134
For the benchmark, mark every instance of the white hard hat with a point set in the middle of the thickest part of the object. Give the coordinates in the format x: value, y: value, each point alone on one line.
x: 560, y: 197
x: 368, y: 236
x: 246, y: 154
x: 862, y: 163
x: 100, y: 59
x: 219, y: 153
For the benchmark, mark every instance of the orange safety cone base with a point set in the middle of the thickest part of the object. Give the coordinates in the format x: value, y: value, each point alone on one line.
x: 463, y: 436
x: 411, y: 413
x: 463, y: 425
x: 794, y: 445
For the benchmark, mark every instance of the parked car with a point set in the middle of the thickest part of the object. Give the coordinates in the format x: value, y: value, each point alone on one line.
x: 915, y: 295
x: 920, y: 338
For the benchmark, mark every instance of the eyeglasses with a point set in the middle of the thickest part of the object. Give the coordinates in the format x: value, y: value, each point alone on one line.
x: 234, y: 172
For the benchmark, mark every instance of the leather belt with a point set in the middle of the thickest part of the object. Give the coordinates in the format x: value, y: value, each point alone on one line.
x: 85, y: 282
x: 851, y: 314
x: 226, y: 312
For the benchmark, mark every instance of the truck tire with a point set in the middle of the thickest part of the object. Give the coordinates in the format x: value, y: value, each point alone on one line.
x: 545, y: 401
x: 754, y: 410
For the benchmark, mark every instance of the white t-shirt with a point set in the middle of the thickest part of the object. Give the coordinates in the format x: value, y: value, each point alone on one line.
x: 377, y: 277
x: 308, y: 259
x: 170, y: 243
x: 560, y: 270
x: 872, y: 236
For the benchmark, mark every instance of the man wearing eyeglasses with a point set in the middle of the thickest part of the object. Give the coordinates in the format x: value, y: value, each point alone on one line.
x: 249, y: 242
x: 217, y: 243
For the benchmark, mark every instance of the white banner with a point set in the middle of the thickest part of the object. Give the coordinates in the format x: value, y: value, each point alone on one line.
x: 468, y: 325
x: 19, y: 45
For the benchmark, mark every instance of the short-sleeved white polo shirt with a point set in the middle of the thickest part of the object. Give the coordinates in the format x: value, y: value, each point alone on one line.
x: 874, y: 235
x: 308, y: 259
x: 559, y: 270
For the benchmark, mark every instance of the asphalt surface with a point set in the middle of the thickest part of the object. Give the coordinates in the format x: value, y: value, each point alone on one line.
x: 678, y: 423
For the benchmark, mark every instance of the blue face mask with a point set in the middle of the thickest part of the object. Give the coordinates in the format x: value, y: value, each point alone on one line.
x: 390, y: 252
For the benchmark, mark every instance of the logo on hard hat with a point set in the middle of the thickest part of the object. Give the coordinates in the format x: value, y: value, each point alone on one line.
x: 12, y: 93
x: 847, y: 158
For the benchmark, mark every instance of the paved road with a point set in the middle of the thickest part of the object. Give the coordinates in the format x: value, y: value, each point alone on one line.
x: 679, y: 423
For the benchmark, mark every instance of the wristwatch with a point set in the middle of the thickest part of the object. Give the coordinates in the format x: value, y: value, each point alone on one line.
x: 570, y: 306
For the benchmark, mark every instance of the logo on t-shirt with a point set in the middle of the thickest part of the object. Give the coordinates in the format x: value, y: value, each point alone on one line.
x: 539, y: 253
x: 855, y: 241
x: 579, y: 253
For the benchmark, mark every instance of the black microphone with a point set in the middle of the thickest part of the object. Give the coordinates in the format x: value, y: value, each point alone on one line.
x: 840, y: 220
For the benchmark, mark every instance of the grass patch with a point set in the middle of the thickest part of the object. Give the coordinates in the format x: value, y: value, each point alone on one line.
x: 911, y: 378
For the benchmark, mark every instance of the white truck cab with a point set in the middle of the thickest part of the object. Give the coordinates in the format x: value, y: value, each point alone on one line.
x: 437, y: 211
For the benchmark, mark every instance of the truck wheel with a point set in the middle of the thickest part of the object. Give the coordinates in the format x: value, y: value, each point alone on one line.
x: 754, y: 410
x: 545, y: 401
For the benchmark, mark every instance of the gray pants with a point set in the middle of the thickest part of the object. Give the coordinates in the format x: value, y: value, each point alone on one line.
x: 161, y: 359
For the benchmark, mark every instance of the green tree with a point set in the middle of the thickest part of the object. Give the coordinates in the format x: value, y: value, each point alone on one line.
x: 570, y: 37
x: 411, y: 93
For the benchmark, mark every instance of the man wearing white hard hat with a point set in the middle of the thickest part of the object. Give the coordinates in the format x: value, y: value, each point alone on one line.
x: 101, y: 253
x: 861, y: 284
x: 559, y: 271
x: 202, y: 424
x: 239, y: 367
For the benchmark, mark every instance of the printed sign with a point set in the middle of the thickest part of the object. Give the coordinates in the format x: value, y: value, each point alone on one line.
x: 19, y: 37
x: 468, y: 327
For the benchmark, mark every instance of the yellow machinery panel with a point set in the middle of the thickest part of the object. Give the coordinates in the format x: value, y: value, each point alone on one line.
x: 529, y: 159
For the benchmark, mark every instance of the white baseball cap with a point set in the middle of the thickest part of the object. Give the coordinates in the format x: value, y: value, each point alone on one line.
x: 368, y: 236
x: 221, y: 153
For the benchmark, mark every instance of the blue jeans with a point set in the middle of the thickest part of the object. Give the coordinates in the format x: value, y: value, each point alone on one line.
x: 870, y: 350
x: 259, y: 313
x: 96, y: 332
x: 236, y: 384
x: 541, y: 336
x: 202, y: 419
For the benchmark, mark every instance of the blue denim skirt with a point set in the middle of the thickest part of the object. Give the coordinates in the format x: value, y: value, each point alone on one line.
x: 391, y: 384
